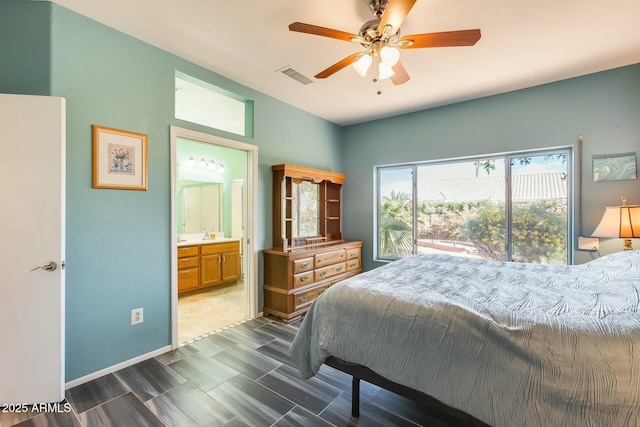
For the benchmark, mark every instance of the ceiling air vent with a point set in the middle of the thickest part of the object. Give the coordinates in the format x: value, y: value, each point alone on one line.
x: 288, y: 71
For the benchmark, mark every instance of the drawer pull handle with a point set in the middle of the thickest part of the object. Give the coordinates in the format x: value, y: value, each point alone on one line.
x: 304, y: 278
x: 323, y: 273
x: 339, y: 269
x: 303, y: 298
x: 353, y: 264
x: 304, y: 265
x: 353, y: 254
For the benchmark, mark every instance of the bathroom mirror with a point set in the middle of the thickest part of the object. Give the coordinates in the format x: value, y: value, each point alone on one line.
x: 202, y: 208
x: 305, y: 210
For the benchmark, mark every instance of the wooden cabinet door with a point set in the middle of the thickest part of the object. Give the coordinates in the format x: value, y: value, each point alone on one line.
x: 230, y: 266
x: 210, y: 269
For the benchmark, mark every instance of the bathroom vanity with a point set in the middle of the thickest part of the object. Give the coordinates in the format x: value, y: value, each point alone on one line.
x: 206, y: 263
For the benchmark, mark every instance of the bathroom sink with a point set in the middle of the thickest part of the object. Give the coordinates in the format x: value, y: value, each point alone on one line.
x: 200, y: 241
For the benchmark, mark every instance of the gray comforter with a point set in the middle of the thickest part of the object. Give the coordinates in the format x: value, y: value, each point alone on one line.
x: 512, y: 344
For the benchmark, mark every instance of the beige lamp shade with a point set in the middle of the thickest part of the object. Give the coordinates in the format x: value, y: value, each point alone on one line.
x: 620, y: 222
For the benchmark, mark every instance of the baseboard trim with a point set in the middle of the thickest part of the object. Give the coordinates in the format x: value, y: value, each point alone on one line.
x: 114, y: 368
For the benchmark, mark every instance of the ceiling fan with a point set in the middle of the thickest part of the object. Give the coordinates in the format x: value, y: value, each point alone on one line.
x: 381, y: 38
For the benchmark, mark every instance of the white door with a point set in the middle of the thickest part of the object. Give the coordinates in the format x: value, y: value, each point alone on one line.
x: 32, y: 217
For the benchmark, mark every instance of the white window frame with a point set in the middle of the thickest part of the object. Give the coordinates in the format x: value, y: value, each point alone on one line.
x: 508, y: 157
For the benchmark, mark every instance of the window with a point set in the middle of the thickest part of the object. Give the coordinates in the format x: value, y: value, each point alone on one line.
x: 200, y: 102
x: 509, y: 207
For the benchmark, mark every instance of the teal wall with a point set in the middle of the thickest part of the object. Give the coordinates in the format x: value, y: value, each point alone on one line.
x: 119, y: 242
x: 604, y: 108
x: 25, y: 37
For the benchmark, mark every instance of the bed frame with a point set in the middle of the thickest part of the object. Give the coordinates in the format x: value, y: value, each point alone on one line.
x: 359, y: 372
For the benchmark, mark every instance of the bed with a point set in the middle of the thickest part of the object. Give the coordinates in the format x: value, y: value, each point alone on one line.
x: 506, y: 343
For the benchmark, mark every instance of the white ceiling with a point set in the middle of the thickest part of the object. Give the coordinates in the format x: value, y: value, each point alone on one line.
x: 524, y: 43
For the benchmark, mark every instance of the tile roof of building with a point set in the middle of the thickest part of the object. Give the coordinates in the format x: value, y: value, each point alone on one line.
x: 525, y: 188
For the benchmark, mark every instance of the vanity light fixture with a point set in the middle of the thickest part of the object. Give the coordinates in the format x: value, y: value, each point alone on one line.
x: 216, y: 167
x: 212, y: 165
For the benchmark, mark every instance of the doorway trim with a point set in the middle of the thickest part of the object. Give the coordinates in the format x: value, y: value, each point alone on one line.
x: 251, y: 274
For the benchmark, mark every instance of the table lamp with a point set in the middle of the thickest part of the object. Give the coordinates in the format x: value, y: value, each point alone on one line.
x: 620, y: 222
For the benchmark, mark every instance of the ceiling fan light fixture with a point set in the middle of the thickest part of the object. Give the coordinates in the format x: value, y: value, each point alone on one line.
x: 362, y: 65
x: 385, y: 71
x: 389, y: 56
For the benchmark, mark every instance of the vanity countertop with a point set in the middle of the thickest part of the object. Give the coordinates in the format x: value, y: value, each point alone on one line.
x: 206, y: 242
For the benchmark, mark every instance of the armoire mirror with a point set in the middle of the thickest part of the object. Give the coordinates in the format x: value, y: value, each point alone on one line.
x: 304, y: 209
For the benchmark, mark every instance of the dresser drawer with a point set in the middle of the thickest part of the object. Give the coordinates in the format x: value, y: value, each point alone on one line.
x: 353, y: 264
x: 187, y: 251
x: 305, y: 298
x: 301, y: 265
x: 353, y: 253
x: 332, y: 270
x: 187, y: 262
x: 302, y: 279
x: 327, y: 258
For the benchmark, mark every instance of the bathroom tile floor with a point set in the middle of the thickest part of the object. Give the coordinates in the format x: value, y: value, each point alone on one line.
x: 239, y: 376
x: 211, y: 309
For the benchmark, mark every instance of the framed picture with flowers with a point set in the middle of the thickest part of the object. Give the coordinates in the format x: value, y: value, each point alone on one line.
x: 119, y: 159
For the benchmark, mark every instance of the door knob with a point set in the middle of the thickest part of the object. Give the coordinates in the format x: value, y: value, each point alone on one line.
x: 50, y: 266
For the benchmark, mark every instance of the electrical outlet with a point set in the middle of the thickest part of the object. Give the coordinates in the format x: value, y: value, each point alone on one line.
x: 137, y: 316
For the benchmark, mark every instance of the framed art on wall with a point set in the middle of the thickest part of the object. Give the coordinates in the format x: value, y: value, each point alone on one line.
x: 614, y: 167
x: 119, y: 159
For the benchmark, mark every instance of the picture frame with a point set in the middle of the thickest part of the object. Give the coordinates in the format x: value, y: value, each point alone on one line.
x: 119, y: 159
x: 614, y: 167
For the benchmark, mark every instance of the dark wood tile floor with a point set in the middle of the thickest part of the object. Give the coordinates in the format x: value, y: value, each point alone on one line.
x: 241, y: 376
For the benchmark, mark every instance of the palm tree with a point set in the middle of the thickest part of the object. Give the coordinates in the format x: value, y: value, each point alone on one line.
x: 396, y: 226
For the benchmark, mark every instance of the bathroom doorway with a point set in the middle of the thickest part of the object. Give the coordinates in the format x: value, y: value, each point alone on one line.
x: 213, y: 200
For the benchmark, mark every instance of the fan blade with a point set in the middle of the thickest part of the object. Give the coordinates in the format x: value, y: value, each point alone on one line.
x: 322, y: 31
x: 444, y: 39
x: 394, y: 16
x: 401, y: 76
x: 339, y: 65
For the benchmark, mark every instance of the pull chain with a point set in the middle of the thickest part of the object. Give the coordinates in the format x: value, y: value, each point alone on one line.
x: 376, y: 77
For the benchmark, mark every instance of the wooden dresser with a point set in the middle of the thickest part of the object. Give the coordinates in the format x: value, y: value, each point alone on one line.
x: 294, y: 278
x: 309, y: 253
